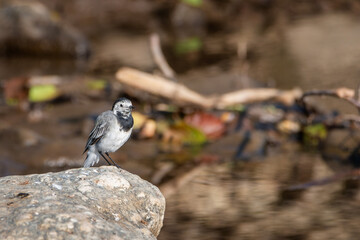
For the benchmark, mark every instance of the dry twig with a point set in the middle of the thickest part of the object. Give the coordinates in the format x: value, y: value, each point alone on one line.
x: 159, y: 57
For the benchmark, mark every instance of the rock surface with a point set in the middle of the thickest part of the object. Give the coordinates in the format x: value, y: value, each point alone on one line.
x: 84, y: 203
x: 29, y: 28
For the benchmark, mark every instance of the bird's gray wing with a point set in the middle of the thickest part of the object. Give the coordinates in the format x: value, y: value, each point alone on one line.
x: 102, y: 125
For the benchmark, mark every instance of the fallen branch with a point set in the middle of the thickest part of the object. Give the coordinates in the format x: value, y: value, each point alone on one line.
x: 161, y: 87
x: 257, y: 95
x: 182, y: 95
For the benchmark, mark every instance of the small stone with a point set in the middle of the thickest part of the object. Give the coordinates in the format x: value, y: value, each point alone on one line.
x: 141, y: 195
x: 57, y: 186
x: 24, y: 218
x: 86, y: 227
x: 112, y: 181
x: 85, y: 187
x: 52, y: 235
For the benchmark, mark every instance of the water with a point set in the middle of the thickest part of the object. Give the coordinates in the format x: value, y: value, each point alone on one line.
x: 219, y: 199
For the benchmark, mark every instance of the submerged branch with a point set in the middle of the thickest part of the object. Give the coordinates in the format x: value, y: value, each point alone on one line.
x: 327, y: 180
x: 341, y: 93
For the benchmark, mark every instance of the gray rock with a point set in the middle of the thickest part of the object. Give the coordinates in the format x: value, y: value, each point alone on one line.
x: 29, y: 28
x: 84, y: 203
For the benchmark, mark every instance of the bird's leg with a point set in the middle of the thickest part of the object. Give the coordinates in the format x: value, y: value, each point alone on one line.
x: 105, y: 158
x: 107, y: 154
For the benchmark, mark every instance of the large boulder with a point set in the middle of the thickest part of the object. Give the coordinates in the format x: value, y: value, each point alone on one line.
x: 29, y: 28
x: 84, y: 203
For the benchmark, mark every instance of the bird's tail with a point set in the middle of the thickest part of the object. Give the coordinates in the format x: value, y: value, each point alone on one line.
x: 92, y: 157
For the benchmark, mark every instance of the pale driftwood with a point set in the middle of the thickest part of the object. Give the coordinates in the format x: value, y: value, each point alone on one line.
x: 161, y: 87
x: 257, y: 94
x: 181, y: 94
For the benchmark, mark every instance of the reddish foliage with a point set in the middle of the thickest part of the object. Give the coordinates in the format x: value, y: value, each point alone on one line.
x: 17, y: 89
x: 211, y: 125
x: 207, y: 159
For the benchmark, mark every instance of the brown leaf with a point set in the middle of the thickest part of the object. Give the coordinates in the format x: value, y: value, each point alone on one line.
x: 16, y: 89
x: 148, y: 129
x: 207, y: 159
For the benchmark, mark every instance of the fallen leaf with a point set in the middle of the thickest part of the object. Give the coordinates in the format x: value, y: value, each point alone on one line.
x: 194, y: 3
x: 188, y: 45
x: 16, y: 90
x: 209, y: 124
x: 41, y: 93
x: 313, y: 134
x: 182, y: 133
x: 98, y: 84
x: 288, y: 126
x: 139, y: 120
x: 148, y: 130
x: 207, y: 159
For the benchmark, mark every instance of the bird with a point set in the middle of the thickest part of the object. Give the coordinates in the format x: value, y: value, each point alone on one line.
x: 112, y: 129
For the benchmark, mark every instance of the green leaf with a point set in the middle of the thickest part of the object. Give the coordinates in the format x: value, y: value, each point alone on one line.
x: 194, y: 3
x: 41, y: 93
x: 188, y: 45
x: 236, y: 108
x: 12, y: 102
x: 192, y: 136
x: 98, y: 84
x: 313, y: 134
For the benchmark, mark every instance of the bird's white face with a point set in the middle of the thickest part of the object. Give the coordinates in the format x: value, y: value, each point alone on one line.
x: 123, y: 107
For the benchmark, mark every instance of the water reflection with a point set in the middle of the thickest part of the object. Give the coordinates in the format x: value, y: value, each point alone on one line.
x: 249, y: 202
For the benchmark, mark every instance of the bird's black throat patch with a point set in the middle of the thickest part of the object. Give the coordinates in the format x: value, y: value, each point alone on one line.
x: 126, y: 123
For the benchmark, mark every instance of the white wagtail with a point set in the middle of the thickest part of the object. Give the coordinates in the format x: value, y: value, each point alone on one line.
x: 112, y: 129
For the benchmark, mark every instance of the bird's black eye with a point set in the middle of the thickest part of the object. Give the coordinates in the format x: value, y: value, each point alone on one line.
x: 121, y: 105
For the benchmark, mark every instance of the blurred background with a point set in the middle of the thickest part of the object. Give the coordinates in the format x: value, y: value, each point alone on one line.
x: 265, y: 170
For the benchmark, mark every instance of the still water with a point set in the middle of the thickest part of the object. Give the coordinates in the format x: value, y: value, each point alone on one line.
x: 222, y: 199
